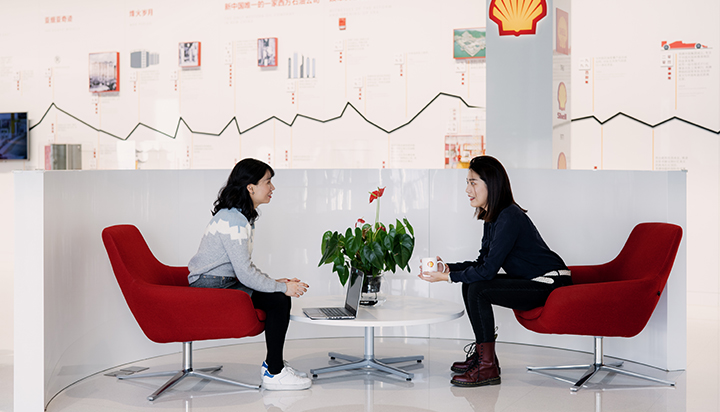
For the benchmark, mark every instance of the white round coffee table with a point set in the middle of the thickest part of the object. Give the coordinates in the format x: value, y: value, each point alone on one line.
x: 394, y: 311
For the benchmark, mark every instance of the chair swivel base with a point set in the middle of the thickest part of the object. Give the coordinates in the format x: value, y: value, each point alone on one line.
x: 594, y: 368
x: 178, y: 376
x: 186, y: 372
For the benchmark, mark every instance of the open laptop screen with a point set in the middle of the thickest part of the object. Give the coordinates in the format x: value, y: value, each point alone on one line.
x: 352, y: 298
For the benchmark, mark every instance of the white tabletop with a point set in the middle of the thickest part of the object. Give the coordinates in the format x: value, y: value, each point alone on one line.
x: 394, y: 311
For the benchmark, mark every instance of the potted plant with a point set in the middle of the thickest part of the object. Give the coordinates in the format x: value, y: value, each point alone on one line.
x: 370, y: 249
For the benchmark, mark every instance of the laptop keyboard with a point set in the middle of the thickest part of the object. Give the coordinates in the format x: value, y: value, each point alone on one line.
x: 333, y: 312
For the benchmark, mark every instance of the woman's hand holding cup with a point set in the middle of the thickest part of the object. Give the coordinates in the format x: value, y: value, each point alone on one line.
x: 433, y: 269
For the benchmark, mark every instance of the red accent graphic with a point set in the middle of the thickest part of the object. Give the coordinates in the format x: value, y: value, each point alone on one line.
x: 680, y: 45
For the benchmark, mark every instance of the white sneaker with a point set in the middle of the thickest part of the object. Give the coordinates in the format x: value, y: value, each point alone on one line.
x: 286, y: 380
x: 264, y: 367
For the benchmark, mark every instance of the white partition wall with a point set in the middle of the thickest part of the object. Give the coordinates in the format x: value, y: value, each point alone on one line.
x: 69, y: 309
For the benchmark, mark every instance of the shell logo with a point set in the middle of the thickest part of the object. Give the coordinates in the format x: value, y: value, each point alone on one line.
x: 562, y: 96
x: 516, y: 17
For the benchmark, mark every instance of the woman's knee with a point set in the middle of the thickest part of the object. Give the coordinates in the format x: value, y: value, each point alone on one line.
x: 272, y: 301
x: 477, y: 288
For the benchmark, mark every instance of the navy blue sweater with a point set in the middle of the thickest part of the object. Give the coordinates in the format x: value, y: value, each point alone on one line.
x: 513, y: 243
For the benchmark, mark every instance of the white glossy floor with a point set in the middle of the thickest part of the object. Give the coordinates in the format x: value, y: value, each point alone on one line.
x: 696, y: 389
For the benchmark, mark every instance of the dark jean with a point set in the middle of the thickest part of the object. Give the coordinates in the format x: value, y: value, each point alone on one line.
x: 277, y: 311
x: 513, y: 293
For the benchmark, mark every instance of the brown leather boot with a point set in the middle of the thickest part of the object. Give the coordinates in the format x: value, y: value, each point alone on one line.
x: 484, y: 370
x: 470, y: 358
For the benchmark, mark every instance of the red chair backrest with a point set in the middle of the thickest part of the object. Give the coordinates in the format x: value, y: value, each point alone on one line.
x: 649, y: 253
x: 133, y: 261
x: 166, y: 308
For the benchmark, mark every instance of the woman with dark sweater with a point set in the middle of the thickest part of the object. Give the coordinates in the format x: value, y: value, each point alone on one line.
x: 510, y: 242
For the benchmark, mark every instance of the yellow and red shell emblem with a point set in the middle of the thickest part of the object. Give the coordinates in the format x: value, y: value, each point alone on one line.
x: 516, y: 17
x: 562, y: 96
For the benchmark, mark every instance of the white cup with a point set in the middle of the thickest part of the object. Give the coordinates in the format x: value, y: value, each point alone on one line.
x: 431, y: 264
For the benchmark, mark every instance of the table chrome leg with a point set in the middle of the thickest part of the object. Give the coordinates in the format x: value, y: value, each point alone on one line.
x: 368, y: 361
x: 418, y: 358
x: 342, y: 356
x: 389, y: 369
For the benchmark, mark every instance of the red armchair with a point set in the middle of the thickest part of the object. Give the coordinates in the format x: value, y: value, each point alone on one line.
x: 168, y: 310
x: 613, y: 299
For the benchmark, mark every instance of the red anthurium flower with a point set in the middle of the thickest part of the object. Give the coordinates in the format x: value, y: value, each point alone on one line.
x: 376, y: 194
x: 359, y: 222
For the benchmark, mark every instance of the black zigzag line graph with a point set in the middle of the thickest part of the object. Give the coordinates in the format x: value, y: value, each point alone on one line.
x: 347, y: 105
x: 652, y: 126
x: 237, y: 126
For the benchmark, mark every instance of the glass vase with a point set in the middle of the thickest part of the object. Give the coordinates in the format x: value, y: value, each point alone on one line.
x: 371, y: 290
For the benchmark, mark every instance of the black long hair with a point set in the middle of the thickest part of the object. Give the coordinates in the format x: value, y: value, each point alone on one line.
x: 235, y: 194
x: 500, y: 196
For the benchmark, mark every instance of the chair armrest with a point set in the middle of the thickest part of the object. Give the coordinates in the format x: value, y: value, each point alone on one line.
x: 183, y: 313
x: 620, y: 308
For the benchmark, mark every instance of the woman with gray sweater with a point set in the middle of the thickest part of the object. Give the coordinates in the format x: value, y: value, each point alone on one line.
x: 224, y: 260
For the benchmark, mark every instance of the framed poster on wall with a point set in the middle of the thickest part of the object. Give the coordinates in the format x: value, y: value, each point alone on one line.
x: 104, y: 72
x: 267, y: 52
x: 189, y: 54
x: 469, y: 43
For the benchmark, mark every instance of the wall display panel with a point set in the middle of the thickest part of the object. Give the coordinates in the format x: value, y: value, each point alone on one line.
x: 649, y: 99
x: 361, y: 70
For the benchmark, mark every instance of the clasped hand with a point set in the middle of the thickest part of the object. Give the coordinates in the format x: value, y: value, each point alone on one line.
x: 295, y: 287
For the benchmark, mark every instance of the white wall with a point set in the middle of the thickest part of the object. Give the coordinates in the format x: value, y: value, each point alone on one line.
x: 7, y: 250
x: 70, y: 309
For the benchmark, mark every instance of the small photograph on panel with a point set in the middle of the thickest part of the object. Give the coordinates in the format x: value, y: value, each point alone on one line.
x: 104, y: 72
x: 469, y: 43
x: 301, y: 66
x: 267, y: 52
x: 13, y: 136
x: 189, y: 54
x: 141, y: 59
x: 460, y: 149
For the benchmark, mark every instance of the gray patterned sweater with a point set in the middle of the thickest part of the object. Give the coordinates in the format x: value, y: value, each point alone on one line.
x: 226, y: 250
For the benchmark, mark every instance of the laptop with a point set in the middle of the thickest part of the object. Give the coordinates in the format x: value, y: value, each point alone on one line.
x: 352, y: 300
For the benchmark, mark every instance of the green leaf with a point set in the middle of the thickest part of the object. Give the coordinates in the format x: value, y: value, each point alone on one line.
x: 379, y: 236
x: 389, y: 239
x: 356, y: 242
x: 406, y: 248
x: 341, y: 269
x: 410, y: 228
x: 372, y: 254
x: 325, y: 238
x: 331, y: 249
x: 399, y: 228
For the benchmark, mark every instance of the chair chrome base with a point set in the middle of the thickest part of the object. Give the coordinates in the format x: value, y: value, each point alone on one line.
x: 368, y: 361
x: 596, y: 367
x: 186, y: 372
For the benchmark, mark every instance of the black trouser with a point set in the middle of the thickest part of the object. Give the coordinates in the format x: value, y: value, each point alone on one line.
x: 277, y: 310
x: 513, y: 293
